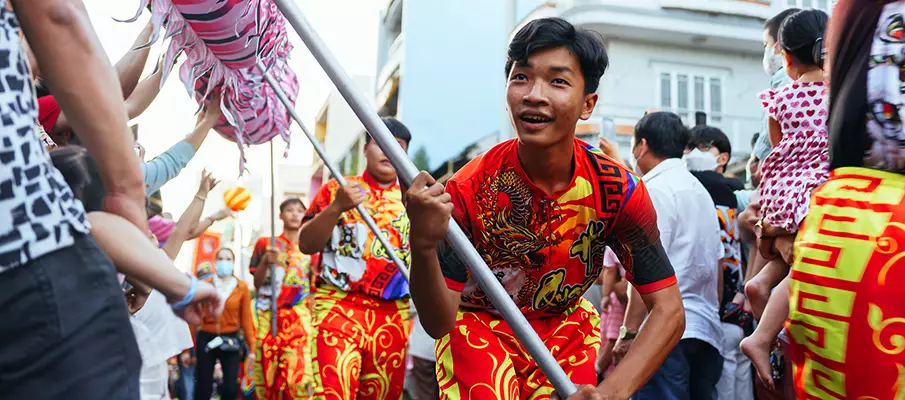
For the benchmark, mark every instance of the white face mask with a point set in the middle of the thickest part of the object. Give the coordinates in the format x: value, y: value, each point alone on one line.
x: 698, y: 160
x: 633, y: 162
x: 772, y: 61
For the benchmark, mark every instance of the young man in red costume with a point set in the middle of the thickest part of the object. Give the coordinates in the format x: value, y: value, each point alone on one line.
x: 361, y: 304
x: 541, y: 210
x: 283, y: 363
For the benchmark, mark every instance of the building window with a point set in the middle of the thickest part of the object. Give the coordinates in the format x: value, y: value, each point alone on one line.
x: 665, y: 90
x: 824, y: 5
x: 685, y: 93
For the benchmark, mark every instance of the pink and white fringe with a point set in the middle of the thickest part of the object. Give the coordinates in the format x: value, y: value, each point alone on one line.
x: 223, y: 40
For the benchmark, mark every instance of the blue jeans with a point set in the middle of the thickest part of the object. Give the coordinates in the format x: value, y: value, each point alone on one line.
x: 690, y: 372
x: 185, y: 385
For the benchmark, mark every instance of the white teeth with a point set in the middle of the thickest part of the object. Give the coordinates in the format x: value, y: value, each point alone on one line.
x: 535, y: 119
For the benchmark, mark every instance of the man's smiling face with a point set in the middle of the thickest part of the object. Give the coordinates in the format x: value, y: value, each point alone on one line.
x: 546, y: 97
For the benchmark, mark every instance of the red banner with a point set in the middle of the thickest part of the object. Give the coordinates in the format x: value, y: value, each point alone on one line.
x: 206, y: 252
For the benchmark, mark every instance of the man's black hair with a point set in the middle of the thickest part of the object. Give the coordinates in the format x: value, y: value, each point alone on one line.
x: 548, y: 33
x: 665, y: 133
x: 754, y: 138
x: 397, y: 128
x: 705, y: 135
x: 290, y: 201
x: 772, y: 25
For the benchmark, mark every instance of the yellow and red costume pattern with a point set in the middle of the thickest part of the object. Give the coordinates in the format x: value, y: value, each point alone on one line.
x: 361, y: 316
x: 283, y: 363
x: 546, y: 250
x: 360, y: 347
x: 847, y: 305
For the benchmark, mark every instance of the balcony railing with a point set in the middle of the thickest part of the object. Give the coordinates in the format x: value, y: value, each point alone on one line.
x: 762, y: 9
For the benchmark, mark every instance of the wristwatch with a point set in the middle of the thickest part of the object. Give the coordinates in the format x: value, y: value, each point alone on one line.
x: 625, y: 334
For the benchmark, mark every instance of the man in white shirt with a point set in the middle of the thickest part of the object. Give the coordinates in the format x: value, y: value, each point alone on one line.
x: 690, y: 235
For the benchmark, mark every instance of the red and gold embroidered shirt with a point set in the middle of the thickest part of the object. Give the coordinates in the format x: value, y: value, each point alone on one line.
x: 354, y: 260
x: 548, y: 250
x: 294, y: 272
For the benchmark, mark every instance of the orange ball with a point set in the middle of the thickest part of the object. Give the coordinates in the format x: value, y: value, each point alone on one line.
x: 237, y: 198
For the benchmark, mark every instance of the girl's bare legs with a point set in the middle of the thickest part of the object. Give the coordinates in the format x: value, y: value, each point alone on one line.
x: 757, y: 346
x: 758, y: 289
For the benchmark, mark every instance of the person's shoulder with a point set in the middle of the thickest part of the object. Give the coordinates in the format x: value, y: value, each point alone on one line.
x: 491, y: 160
x: 697, y: 193
x: 721, y: 189
x: 600, y: 163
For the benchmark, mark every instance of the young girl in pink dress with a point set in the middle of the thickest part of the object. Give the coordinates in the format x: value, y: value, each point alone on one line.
x: 797, y: 165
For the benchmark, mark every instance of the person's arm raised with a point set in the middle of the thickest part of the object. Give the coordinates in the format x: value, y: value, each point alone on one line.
x: 128, y: 70
x: 168, y: 165
x: 77, y: 70
x: 206, y: 122
x: 190, y: 216
x: 131, y: 65
x: 144, y: 93
x: 205, y: 223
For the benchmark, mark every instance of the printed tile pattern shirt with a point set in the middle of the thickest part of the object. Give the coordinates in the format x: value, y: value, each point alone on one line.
x: 548, y: 250
x: 38, y: 213
x: 354, y: 260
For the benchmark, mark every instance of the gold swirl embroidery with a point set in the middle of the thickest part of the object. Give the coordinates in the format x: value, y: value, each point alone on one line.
x: 878, y: 324
x: 504, y: 382
x: 889, y: 245
x: 384, y: 362
x: 899, y: 387
x: 474, y: 345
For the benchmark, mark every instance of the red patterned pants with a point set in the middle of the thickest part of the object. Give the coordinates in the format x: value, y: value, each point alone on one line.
x: 281, y: 370
x: 360, y: 346
x: 482, y: 359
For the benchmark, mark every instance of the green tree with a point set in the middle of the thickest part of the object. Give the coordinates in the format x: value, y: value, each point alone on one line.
x: 421, y: 160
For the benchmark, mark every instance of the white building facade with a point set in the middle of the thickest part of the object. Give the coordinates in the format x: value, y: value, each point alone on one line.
x: 684, y: 56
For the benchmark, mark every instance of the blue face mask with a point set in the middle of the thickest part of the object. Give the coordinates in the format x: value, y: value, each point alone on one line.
x: 224, y: 268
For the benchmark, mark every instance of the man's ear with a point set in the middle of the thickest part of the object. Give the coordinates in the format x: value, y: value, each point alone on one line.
x: 590, y: 101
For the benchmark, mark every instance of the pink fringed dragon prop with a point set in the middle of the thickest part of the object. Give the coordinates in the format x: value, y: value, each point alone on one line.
x: 223, y: 41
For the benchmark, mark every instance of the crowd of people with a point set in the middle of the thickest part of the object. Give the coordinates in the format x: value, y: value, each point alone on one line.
x: 657, y: 277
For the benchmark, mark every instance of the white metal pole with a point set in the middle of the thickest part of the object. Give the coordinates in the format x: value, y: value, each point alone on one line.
x: 391, y: 251
x: 273, y: 238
